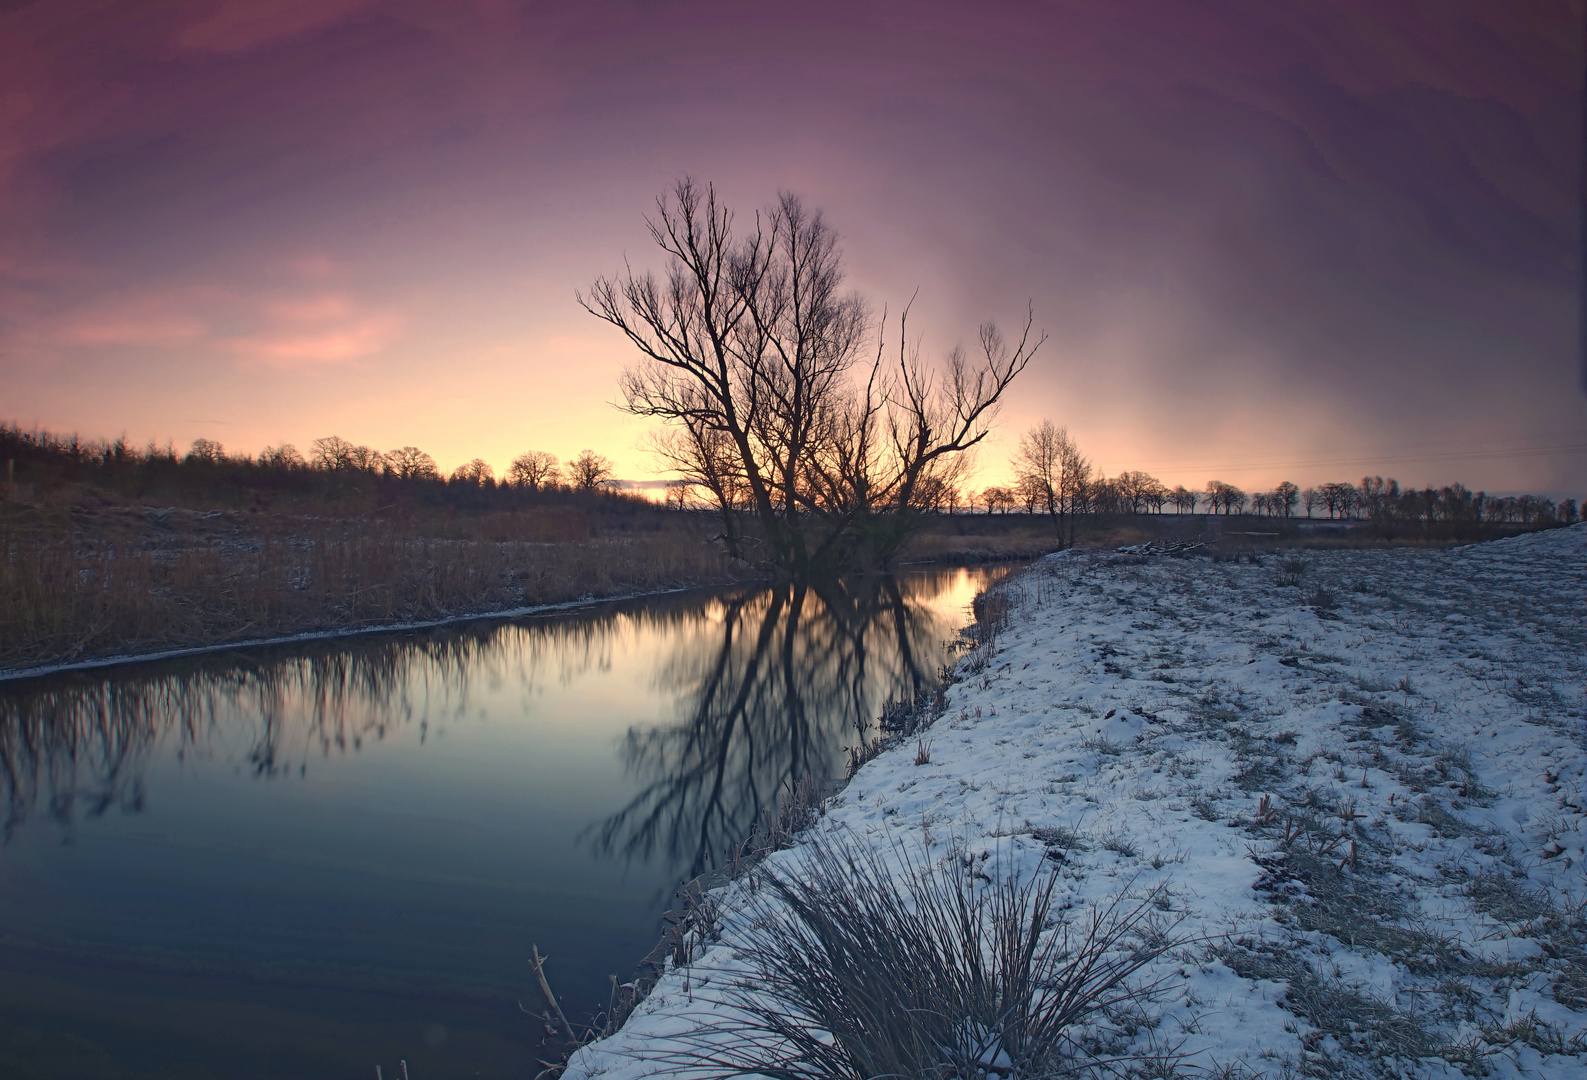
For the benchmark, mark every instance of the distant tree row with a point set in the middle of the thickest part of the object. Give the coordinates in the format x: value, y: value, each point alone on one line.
x: 1054, y: 478
x: 535, y: 469
x: 45, y: 457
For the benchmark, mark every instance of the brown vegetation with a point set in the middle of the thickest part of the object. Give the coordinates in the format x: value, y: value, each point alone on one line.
x: 977, y: 538
x: 106, y: 549
x: 88, y: 583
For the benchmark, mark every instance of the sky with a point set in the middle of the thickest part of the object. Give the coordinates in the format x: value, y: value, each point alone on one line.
x: 1267, y: 241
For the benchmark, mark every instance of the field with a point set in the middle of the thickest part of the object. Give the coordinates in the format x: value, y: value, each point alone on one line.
x: 87, y: 582
x: 1345, y: 787
x: 92, y: 572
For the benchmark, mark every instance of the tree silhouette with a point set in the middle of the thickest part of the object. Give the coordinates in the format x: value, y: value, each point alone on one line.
x: 589, y: 471
x: 282, y: 457
x: 477, y: 472
x: 534, y: 469
x: 411, y: 463
x: 1225, y: 496
x: 1287, y: 494
x: 335, y: 454
x: 755, y: 341
x: 207, y: 451
x: 997, y: 497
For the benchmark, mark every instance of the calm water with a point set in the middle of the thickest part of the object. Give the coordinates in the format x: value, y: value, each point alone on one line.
x: 309, y: 861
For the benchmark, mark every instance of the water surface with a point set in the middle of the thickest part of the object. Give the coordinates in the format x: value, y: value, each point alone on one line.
x: 307, y: 861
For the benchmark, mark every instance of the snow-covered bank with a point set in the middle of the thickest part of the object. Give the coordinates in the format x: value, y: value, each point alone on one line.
x: 1358, y: 774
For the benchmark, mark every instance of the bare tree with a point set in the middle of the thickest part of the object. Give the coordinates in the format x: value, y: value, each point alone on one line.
x: 1338, y: 498
x: 1138, y: 490
x: 411, y: 463
x: 534, y: 470
x: 1030, y: 493
x: 1184, y: 500
x: 332, y: 453
x: 1225, y: 496
x: 931, y: 422
x: 589, y: 470
x: 1039, y: 466
x: 997, y: 496
x: 1214, y: 491
x: 285, y: 456
x: 1310, y: 500
x: 1050, y: 467
x: 335, y: 454
x: 366, y: 460
x: 702, y: 454
x: 753, y: 350
x: 477, y: 472
x: 1074, y: 483
x: 207, y: 451
x: 1286, y: 493
x: 676, y: 495
x: 1155, y: 495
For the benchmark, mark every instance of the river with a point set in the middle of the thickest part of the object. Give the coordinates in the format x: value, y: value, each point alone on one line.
x: 307, y: 861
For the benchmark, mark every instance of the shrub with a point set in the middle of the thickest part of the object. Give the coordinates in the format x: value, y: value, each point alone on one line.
x: 1291, y: 571
x: 856, y: 973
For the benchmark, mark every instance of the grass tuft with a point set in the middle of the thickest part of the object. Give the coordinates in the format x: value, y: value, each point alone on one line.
x: 856, y: 973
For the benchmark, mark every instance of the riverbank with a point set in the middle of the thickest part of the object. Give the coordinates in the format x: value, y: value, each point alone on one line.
x: 96, y: 588
x: 115, y: 660
x: 1352, y: 781
x: 95, y: 580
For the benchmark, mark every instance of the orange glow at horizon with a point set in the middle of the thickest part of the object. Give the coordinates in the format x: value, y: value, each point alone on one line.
x: 1267, y: 244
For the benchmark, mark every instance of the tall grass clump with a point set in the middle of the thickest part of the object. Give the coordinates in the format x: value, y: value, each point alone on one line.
x: 857, y: 973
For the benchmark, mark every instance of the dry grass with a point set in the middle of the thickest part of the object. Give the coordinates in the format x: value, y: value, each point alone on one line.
x: 71, y: 595
x: 935, y: 545
x: 856, y: 973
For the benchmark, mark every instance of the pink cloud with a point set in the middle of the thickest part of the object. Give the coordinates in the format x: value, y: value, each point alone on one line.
x: 134, y: 319
x: 325, y: 329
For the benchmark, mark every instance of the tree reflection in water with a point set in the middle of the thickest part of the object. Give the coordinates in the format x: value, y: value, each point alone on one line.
x: 83, y: 742
x: 797, y: 673
x: 768, y: 685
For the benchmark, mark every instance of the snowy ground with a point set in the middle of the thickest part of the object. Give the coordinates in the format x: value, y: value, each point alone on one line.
x: 1361, y: 782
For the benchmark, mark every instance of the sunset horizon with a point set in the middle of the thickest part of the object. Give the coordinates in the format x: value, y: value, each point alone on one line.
x: 1266, y: 248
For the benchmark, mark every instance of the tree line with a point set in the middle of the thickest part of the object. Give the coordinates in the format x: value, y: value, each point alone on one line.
x: 1052, y: 477
x: 48, y: 459
x: 534, y: 469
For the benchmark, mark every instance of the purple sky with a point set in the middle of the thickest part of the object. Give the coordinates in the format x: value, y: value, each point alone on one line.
x: 1268, y: 240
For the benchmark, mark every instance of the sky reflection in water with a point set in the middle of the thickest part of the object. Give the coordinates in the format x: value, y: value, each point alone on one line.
x: 310, y: 860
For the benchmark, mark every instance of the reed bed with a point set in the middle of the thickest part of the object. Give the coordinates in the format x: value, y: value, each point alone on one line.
x: 66, y: 598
